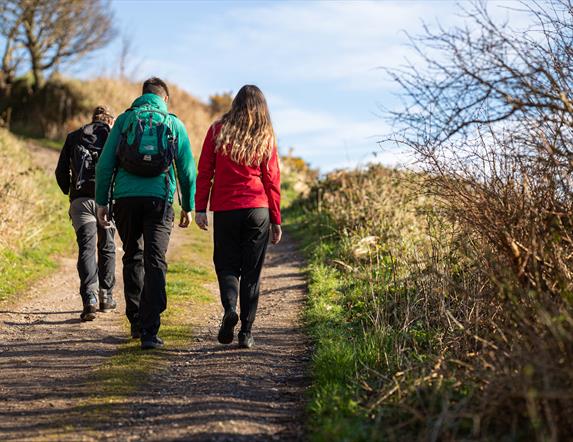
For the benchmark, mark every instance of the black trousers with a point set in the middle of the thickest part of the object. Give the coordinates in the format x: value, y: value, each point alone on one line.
x: 145, y: 236
x: 241, y: 238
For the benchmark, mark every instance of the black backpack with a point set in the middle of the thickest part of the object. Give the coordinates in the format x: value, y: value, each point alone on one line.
x: 147, y: 145
x: 86, y: 152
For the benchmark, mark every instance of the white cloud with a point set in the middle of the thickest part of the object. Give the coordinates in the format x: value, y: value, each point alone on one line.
x: 321, y: 41
x: 318, y: 63
x: 329, y: 139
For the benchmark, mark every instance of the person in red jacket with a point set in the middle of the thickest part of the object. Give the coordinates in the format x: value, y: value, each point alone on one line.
x: 239, y: 170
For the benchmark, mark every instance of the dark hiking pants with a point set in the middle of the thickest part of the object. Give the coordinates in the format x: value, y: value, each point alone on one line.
x: 93, y: 241
x: 145, y: 236
x: 241, y: 238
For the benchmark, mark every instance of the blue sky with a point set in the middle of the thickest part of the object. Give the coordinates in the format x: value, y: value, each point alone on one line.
x: 318, y: 62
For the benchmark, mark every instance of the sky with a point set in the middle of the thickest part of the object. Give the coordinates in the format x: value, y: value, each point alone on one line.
x: 319, y: 63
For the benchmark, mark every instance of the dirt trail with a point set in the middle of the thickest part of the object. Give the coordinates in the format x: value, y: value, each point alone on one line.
x: 46, y: 352
x: 207, y: 392
x: 222, y: 393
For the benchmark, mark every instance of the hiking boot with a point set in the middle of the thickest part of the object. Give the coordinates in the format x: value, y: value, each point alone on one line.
x: 90, y: 308
x: 151, y: 342
x: 246, y: 340
x: 135, y: 330
x: 106, y: 301
x: 226, y: 332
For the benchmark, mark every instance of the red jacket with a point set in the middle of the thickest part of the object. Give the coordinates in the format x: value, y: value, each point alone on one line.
x: 235, y: 186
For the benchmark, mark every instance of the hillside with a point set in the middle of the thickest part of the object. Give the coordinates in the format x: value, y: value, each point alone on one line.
x: 64, y: 104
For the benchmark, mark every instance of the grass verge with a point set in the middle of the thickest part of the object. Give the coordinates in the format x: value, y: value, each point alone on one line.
x: 339, y: 346
x: 34, y: 228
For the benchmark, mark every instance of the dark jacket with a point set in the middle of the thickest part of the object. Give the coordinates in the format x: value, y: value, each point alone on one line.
x: 65, y: 173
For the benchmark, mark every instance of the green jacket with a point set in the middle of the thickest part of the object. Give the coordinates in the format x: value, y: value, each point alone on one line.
x: 127, y: 185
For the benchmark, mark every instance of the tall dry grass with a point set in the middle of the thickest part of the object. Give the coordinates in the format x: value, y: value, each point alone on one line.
x: 34, y: 224
x: 452, y: 340
x: 20, y: 194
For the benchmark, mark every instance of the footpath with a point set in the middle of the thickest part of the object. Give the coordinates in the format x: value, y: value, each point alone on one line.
x: 49, y: 362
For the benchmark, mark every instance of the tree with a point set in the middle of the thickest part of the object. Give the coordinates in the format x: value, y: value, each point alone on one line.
x: 492, y: 107
x: 10, y: 24
x: 48, y: 33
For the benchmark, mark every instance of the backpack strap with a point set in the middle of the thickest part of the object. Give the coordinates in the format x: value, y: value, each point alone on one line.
x: 171, y: 147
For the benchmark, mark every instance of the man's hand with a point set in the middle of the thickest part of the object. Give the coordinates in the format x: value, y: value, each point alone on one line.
x: 276, y: 233
x: 185, y: 219
x: 201, y: 220
x: 102, y: 215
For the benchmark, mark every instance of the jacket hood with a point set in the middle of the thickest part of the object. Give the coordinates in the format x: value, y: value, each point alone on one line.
x: 97, y: 128
x: 152, y: 100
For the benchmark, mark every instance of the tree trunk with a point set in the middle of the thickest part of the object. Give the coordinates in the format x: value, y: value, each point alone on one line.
x: 38, y: 77
x: 6, y: 102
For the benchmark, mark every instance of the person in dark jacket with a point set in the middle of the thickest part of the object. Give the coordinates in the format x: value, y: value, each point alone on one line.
x: 239, y: 170
x: 75, y: 174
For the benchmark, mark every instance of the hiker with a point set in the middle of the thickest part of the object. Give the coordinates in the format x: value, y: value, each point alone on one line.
x: 75, y: 174
x: 239, y: 169
x: 136, y: 172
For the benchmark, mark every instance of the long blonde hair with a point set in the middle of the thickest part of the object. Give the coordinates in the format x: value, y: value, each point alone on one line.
x: 247, y: 135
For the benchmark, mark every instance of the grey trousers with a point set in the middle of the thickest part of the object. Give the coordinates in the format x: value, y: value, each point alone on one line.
x: 96, y: 249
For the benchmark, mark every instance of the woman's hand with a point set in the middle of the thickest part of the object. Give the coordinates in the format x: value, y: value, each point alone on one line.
x: 276, y: 233
x: 201, y: 220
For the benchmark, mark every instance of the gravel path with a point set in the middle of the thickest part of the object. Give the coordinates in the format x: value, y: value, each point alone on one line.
x: 206, y: 392
x: 213, y: 392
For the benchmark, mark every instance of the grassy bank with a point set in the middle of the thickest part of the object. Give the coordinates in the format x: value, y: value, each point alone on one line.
x: 64, y: 104
x: 347, y: 268
x: 414, y: 339
x: 34, y: 226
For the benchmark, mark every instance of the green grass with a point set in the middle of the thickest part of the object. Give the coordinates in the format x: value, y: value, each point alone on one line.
x: 346, y: 350
x: 50, y: 144
x: 44, y: 142
x: 333, y: 409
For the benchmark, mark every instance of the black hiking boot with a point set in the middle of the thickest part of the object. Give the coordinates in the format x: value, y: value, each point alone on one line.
x: 149, y: 342
x: 246, y: 340
x: 226, y: 332
x: 106, y: 301
x: 135, y: 330
x: 90, y: 308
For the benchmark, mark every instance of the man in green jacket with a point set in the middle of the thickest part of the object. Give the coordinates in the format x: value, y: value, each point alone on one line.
x: 136, y: 172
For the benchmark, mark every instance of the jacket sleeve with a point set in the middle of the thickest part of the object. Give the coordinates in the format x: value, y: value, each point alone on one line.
x: 186, y: 170
x: 271, y: 177
x: 106, y: 163
x: 206, y: 172
x: 63, y: 168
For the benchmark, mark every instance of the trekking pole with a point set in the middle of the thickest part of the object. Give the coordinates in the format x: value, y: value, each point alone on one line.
x: 110, y: 193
